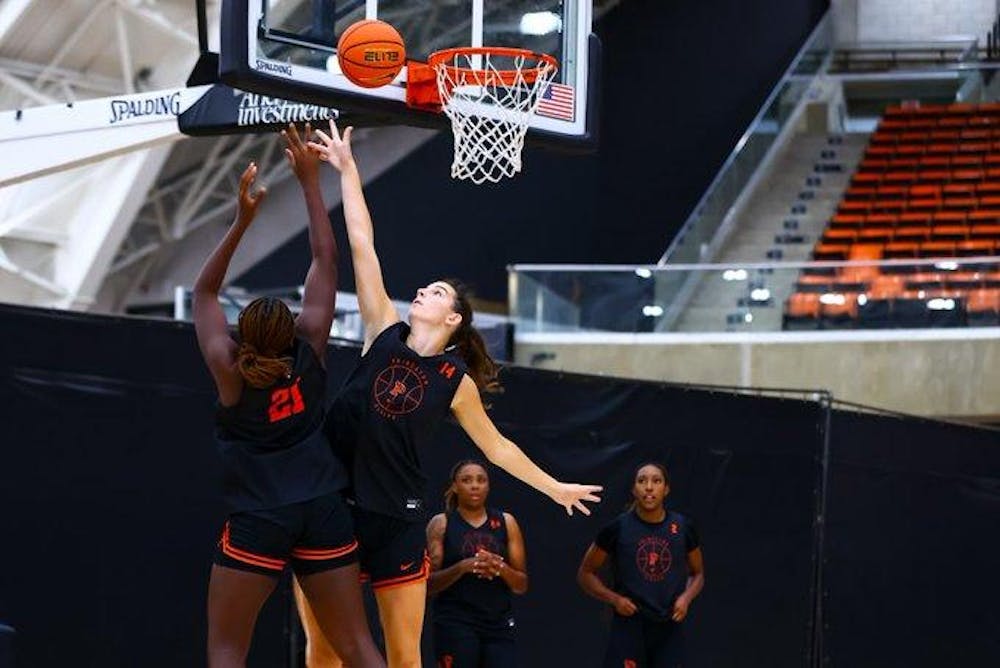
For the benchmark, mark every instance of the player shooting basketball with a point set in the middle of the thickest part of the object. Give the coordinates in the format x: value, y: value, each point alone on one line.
x: 410, y: 377
x: 282, y: 482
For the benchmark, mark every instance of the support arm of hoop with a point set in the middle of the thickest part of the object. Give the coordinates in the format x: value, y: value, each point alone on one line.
x: 421, y: 87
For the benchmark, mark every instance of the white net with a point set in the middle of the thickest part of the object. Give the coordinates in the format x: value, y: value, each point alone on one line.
x: 490, y: 97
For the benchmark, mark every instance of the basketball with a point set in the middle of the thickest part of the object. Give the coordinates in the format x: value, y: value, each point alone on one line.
x: 371, y: 53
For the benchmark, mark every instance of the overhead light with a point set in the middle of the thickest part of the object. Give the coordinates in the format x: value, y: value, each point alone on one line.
x: 940, y: 304
x: 643, y: 272
x: 946, y: 266
x: 760, y: 294
x: 652, y: 310
x: 540, y: 23
x: 832, y: 298
x: 734, y: 275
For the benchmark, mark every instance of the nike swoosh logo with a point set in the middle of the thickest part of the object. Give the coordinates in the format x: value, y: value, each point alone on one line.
x: 404, y: 567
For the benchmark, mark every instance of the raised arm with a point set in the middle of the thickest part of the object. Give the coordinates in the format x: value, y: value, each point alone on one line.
x: 320, y: 295
x: 587, y: 576
x: 217, y: 347
x: 377, y: 310
x: 468, y: 409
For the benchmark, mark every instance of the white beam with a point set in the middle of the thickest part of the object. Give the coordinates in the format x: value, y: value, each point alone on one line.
x: 124, y: 53
x: 82, y: 80
x: 10, y: 12
x: 24, y: 89
x: 58, y: 137
x: 158, y: 21
x: 71, y: 41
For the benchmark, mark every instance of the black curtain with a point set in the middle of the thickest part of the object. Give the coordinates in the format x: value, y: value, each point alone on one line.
x: 913, y: 534
x: 109, y: 485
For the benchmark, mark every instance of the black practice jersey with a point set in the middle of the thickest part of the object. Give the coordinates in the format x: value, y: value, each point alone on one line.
x: 272, y: 443
x: 386, y: 414
x: 470, y: 599
x: 650, y: 559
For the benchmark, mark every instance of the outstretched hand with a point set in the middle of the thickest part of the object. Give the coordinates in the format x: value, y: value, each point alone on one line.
x: 250, y: 197
x: 334, y: 147
x: 303, y: 161
x: 571, y: 496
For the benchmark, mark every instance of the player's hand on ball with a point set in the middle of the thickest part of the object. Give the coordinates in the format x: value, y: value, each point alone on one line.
x: 334, y: 147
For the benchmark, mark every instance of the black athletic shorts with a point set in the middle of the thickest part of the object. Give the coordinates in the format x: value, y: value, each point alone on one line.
x: 465, y: 645
x: 312, y: 536
x: 393, y: 551
x: 639, y: 642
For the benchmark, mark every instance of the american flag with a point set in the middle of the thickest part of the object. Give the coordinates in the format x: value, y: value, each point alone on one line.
x: 557, y: 102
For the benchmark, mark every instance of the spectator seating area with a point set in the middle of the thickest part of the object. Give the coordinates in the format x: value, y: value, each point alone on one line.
x: 928, y: 187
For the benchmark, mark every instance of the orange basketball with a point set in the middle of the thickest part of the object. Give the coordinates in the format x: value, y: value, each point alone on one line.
x: 371, y: 53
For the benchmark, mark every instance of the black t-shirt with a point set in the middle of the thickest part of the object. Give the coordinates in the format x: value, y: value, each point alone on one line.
x: 272, y: 444
x: 386, y: 414
x: 650, y: 559
x: 473, y: 600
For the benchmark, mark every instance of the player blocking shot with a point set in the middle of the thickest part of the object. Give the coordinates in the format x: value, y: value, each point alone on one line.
x: 411, y: 377
x: 282, y: 482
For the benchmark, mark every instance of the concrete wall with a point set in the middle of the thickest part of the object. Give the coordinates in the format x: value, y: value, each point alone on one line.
x: 944, y: 373
x: 892, y: 20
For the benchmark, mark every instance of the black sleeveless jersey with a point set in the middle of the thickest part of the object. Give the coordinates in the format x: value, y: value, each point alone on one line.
x: 385, y: 415
x: 650, y: 560
x: 273, y: 448
x: 484, y: 603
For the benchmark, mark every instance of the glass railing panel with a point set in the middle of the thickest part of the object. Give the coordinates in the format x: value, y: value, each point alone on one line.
x: 758, y: 297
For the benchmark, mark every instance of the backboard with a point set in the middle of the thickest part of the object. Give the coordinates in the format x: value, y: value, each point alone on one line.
x: 287, y: 48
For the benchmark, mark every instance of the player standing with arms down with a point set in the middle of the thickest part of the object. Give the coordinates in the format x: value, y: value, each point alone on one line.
x: 658, y: 572
x: 477, y: 562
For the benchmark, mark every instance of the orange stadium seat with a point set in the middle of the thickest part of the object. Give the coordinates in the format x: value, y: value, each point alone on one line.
x: 937, y: 249
x: 898, y: 250
x: 976, y: 247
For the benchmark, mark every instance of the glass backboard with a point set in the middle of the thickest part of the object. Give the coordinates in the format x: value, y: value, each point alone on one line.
x: 287, y: 48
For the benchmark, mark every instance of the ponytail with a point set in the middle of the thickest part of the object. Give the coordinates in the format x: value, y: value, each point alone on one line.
x: 267, y: 330
x: 469, y: 344
x: 259, y: 371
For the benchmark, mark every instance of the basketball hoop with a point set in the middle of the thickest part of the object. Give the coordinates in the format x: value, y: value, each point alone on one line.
x: 490, y: 94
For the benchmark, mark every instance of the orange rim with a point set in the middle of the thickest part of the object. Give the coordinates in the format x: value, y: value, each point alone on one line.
x: 544, y: 63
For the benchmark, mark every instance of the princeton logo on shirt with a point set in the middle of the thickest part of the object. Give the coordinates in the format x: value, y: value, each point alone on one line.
x: 399, y: 388
x: 653, y: 558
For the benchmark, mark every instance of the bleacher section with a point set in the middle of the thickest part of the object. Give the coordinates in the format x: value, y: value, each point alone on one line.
x: 927, y: 187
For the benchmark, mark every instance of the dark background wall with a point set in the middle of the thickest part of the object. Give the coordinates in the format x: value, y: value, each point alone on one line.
x: 111, y: 508
x: 681, y: 83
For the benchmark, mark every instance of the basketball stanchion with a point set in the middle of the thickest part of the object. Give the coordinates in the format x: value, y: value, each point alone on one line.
x: 490, y: 94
